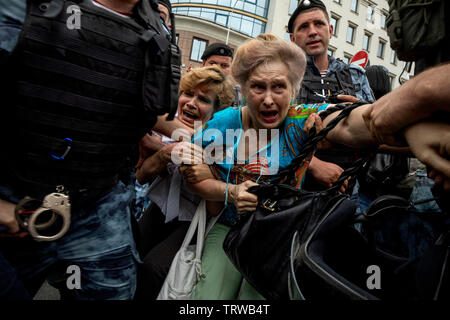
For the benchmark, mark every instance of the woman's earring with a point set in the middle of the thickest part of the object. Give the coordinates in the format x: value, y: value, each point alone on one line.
x: 292, y: 100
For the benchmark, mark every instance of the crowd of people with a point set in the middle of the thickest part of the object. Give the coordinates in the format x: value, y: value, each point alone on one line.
x: 88, y: 116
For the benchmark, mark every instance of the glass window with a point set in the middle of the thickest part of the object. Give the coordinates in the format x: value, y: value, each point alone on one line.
x: 238, y: 22
x: 331, y: 52
x: 337, y: 1
x: 198, y: 47
x: 221, y: 19
x: 293, y: 6
x: 334, y: 21
x: 366, y: 41
x: 347, y: 59
x: 383, y: 20
x: 350, y: 34
x: 370, y: 12
x: 393, y: 57
x: 381, y: 45
x: 287, y: 36
x: 392, y: 79
x: 354, y: 6
x: 258, y: 7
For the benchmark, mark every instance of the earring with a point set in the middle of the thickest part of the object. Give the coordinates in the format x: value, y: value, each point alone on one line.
x: 292, y: 100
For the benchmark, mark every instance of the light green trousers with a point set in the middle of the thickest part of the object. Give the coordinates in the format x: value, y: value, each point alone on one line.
x: 223, y: 281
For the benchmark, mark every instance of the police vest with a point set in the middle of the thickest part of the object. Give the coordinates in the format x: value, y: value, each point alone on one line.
x: 316, y: 89
x: 85, y: 94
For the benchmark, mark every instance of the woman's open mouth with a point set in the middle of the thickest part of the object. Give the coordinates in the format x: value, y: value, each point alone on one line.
x: 269, y: 116
x: 190, y: 116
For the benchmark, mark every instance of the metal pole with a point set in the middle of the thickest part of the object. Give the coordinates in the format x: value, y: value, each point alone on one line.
x: 228, y: 22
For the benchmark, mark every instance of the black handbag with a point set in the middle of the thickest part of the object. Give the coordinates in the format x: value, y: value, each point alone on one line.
x: 259, y: 245
x: 339, y: 262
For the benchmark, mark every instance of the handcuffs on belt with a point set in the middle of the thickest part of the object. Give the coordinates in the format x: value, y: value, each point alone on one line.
x: 58, y: 203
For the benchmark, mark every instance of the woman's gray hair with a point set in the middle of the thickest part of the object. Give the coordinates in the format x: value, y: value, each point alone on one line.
x: 268, y: 48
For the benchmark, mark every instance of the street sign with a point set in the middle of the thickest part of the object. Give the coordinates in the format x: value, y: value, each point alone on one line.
x: 360, y: 58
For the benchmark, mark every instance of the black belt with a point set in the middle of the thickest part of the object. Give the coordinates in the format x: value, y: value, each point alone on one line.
x: 79, y: 197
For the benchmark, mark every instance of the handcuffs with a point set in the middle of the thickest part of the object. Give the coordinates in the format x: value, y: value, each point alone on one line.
x: 58, y: 203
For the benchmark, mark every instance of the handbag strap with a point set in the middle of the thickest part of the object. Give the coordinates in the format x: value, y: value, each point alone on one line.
x: 213, y: 221
x: 313, y: 139
x: 197, y: 223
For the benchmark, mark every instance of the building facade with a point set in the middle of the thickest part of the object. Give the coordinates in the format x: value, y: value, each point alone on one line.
x: 358, y: 25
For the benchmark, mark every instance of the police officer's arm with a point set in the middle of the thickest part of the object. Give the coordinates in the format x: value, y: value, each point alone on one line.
x: 325, y: 173
x: 167, y: 128
x: 419, y: 98
x: 154, y: 165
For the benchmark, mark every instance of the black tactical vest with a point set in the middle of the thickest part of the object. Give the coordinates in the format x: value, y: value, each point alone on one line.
x: 317, y: 89
x: 83, y: 98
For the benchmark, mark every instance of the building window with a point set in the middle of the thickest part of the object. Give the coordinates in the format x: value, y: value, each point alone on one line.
x: 331, y: 51
x: 287, y: 36
x: 334, y: 21
x: 392, y: 80
x: 337, y: 1
x: 248, y: 25
x: 198, y: 47
x: 370, y: 12
x: 366, y: 41
x: 383, y: 20
x: 293, y: 6
x: 381, y: 46
x: 347, y: 58
x: 354, y: 6
x: 351, y: 33
x: 393, y: 57
x: 221, y: 19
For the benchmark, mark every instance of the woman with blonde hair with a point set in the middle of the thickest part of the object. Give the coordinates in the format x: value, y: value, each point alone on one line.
x: 203, y: 91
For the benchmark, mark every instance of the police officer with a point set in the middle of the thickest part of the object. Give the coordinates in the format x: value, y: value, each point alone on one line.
x: 86, y: 80
x: 167, y: 18
x: 218, y: 54
x: 310, y: 29
x: 222, y: 55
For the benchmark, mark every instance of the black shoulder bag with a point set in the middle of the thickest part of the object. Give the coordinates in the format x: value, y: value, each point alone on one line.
x: 259, y: 245
x: 339, y: 262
